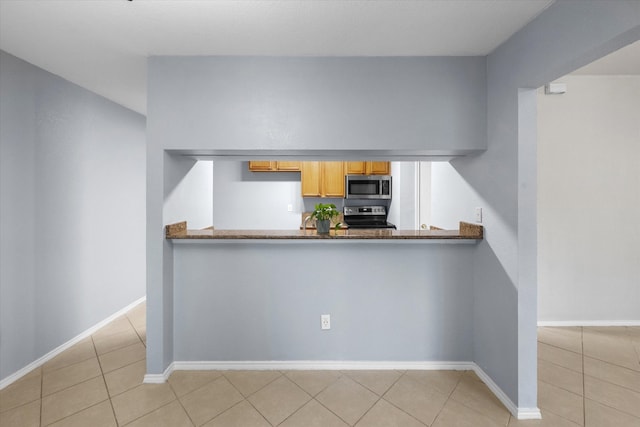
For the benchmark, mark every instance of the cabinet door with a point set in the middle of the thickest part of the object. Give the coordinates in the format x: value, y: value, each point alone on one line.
x: 261, y: 166
x: 332, y: 179
x: 310, y: 179
x: 288, y: 166
x: 378, y: 168
x: 355, y: 168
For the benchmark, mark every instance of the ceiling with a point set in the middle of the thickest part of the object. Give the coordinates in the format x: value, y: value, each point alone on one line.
x: 625, y: 61
x: 102, y: 45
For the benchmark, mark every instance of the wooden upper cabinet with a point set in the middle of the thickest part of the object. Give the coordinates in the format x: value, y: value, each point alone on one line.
x: 310, y: 179
x: 261, y: 166
x: 378, y: 168
x: 266, y: 166
x: 288, y: 166
x: 333, y: 179
x: 368, y: 168
x: 322, y: 179
x: 356, y: 168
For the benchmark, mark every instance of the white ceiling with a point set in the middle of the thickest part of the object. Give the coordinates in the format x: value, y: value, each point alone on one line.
x: 625, y: 61
x: 102, y: 45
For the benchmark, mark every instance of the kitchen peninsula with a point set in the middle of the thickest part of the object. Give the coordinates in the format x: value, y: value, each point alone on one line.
x: 259, y: 295
x: 469, y: 233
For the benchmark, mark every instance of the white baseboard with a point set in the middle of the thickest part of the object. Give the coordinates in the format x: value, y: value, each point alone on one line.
x: 588, y: 323
x: 53, y: 353
x: 319, y: 365
x: 520, y: 413
x: 159, y: 378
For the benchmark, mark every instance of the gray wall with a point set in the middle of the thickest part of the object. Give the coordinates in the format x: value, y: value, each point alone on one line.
x: 290, y: 104
x: 388, y: 302
x: 293, y: 106
x: 400, y: 106
x: 503, y: 180
x: 72, y: 211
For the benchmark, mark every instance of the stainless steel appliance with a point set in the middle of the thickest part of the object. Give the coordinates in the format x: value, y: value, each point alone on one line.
x: 367, y: 187
x: 366, y: 217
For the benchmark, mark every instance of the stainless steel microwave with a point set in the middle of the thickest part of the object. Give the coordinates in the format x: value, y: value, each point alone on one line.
x: 367, y: 187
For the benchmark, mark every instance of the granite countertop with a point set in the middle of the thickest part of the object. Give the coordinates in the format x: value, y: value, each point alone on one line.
x: 466, y: 231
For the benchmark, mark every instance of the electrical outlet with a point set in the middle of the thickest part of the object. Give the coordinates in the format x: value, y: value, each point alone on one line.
x: 289, y: 208
x: 479, y: 215
x: 325, y: 321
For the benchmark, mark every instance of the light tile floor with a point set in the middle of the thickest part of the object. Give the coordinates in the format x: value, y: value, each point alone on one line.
x: 587, y: 377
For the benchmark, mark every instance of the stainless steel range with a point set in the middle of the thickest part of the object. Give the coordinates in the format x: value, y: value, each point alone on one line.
x: 374, y: 216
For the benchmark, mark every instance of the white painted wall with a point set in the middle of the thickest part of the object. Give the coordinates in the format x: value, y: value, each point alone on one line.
x: 589, y: 201
x: 244, y: 200
x: 190, y: 198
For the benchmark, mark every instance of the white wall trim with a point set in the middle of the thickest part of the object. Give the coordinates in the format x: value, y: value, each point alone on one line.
x: 160, y: 378
x: 317, y: 365
x: 263, y: 365
x: 588, y: 322
x: 519, y: 413
x: 56, y: 351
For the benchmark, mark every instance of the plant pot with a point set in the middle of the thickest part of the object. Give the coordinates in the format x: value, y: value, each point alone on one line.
x: 323, y: 226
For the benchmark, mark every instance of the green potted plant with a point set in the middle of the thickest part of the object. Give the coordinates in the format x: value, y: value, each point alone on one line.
x: 323, y: 214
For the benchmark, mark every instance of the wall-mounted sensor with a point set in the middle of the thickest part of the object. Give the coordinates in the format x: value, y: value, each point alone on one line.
x: 555, y: 88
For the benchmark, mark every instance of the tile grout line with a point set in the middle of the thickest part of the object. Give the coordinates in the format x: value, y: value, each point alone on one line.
x: 392, y: 404
x: 584, y: 391
x: 113, y: 411
x: 193, y: 423
x: 41, y: 391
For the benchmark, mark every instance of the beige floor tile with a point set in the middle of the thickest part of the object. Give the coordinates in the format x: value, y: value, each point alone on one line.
x: 248, y: 382
x: 560, y: 377
x: 122, y: 357
x: 77, y: 353
x: 615, y: 374
x: 121, y: 324
x: 138, y: 316
x: 441, y: 381
x: 23, y: 416
x: 458, y: 415
x: 347, y: 399
x: 241, y: 415
x: 313, y: 414
x: 561, y: 357
x: 566, y: 338
x: 548, y: 420
x: 279, y: 399
x: 612, y: 350
x: 560, y: 402
x: 384, y: 414
x: 476, y: 395
x: 25, y: 390
x: 125, y: 378
x: 313, y: 382
x: 210, y: 400
x: 184, y: 382
x: 73, y: 399
x: 421, y: 402
x: 140, y: 401
x: 100, y: 415
x: 169, y: 415
x: 107, y: 343
x: 376, y: 381
x: 598, y: 415
x: 70, y: 375
x: 612, y: 395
